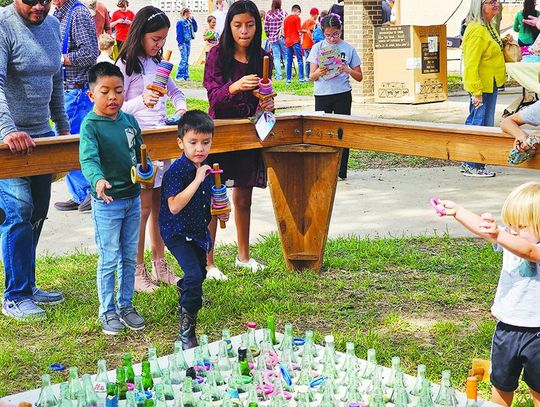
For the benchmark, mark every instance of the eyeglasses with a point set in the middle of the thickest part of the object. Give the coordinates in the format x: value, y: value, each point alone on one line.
x: 491, y: 2
x: 335, y: 34
x: 32, y: 3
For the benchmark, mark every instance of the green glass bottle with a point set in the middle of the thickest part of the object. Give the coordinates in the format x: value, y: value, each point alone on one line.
x: 128, y: 364
x: 271, y: 325
x: 146, y: 376
x: 155, y: 370
x: 46, y: 395
x: 100, y: 384
x: 121, y: 382
x: 74, y: 383
x: 243, y: 361
x: 91, y: 395
x: 112, y: 395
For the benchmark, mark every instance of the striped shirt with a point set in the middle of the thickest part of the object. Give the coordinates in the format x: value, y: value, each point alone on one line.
x: 273, y: 24
x: 82, y: 41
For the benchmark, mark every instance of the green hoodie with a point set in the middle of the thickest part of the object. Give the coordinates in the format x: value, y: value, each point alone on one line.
x: 108, y: 149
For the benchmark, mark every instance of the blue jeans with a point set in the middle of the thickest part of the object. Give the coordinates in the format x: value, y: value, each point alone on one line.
x: 297, y: 49
x: 77, y: 104
x: 26, y: 203
x: 183, y: 66
x: 483, y: 116
x: 117, y: 235
x: 306, y: 63
x: 278, y: 52
x: 192, y: 259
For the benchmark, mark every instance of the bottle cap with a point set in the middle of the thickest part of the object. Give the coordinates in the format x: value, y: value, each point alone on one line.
x: 252, y: 325
x: 329, y: 338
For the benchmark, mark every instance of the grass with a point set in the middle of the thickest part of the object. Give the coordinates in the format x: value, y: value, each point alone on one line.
x: 424, y: 299
x: 365, y: 160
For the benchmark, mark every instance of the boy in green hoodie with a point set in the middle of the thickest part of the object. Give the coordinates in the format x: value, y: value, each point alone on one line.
x: 109, y: 146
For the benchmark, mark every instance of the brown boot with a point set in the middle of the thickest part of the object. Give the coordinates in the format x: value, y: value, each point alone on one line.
x: 143, y: 284
x: 161, y: 272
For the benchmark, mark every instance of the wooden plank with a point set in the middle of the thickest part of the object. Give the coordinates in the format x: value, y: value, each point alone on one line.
x: 444, y: 141
x: 58, y: 154
x: 302, y: 181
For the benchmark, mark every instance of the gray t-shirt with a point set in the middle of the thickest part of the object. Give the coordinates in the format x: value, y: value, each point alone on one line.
x: 531, y: 114
x: 339, y: 83
x: 31, y: 84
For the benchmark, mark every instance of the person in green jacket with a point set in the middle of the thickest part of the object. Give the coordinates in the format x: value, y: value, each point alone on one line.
x: 527, y: 33
x: 109, y: 146
x: 484, y: 71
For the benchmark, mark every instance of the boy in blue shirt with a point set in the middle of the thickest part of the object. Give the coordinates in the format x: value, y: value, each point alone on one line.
x: 109, y: 146
x: 185, y: 214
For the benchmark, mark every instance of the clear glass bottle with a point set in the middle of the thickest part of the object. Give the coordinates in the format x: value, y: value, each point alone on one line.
x: 223, y: 359
x: 188, y: 400
x: 74, y: 383
x: 424, y: 398
x: 130, y: 398
x: 140, y: 395
x: 168, y: 391
x: 329, y: 350
x: 100, y: 384
x: 252, y: 341
x: 160, y: 396
x: 91, y: 395
x: 350, y: 357
x: 205, y: 350
x: 226, y: 337
x: 65, y: 400
x: 212, y: 385
x: 287, y: 340
x: 371, y: 364
x: 309, y: 345
x: 155, y: 370
x: 198, y: 361
x: 396, y: 367
x: 218, y: 376
x: 352, y: 394
x: 127, y: 362
x: 252, y: 397
x: 180, y: 359
x: 443, y: 388
x: 205, y: 400
x: 46, y: 395
x: 81, y: 398
x: 399, y: 396
x: 328, y: 399
x: 174, y: 373
x: 420, y: 377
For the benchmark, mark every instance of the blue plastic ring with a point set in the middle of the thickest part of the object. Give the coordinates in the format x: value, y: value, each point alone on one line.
x: 299, y: 341
x: 285, y: 374
x: 57, y: 367
x: 317, y: 381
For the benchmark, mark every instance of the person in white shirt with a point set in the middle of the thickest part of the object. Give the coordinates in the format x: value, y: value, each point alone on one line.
x: 220, y: 15
x: 106, y: 46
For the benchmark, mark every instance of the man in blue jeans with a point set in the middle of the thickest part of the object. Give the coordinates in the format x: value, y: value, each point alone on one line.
x: 79, y: 53
x: 30, y: 49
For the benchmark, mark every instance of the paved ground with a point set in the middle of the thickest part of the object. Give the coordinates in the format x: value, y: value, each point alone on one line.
x: 369, y: 203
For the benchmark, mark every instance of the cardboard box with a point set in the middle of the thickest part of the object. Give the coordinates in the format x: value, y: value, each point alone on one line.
x: 410, y: 64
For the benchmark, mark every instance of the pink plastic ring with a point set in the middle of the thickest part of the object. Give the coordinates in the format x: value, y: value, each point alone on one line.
x: 220, y: 171
x: 435, y: 202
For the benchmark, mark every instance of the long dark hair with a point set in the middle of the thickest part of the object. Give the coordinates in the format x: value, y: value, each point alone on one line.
x: 149, y: 19
x: 227, y: 45
x: 529, y: 9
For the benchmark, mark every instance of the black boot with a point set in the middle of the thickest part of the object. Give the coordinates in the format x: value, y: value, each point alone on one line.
x: 186, y: 333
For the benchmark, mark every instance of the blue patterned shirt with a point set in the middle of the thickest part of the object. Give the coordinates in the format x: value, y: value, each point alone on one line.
x: 82, y: 41
x: 191, y: 223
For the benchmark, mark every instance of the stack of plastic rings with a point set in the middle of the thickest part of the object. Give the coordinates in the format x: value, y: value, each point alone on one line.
x: 143, y: 176
x: 265, y: 88
x: 162, y: 76
x: 220, y: 200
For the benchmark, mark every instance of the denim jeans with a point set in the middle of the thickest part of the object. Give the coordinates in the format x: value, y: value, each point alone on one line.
x: 77, y: 104
x: 306, y: 63
x: 483, y: 116
x: 278, y: 52
x: 192, y: 259
x: 183, y: 66
x: 26, y: 203
x: 297, y: 49
x: 117, y: 234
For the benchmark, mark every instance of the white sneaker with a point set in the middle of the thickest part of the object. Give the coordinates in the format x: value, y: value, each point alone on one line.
x: 213, y: 273
x: 250, y: 264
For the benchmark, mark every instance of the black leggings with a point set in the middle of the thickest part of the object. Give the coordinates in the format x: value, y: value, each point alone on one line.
x: 339, y: 103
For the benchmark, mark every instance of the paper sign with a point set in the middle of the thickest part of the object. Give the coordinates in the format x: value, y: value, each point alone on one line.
x: 265, y: 124
x: 433, y: 44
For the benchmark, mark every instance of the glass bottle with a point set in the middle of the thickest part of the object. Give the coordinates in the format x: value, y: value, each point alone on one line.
x: 112, y: 395
x: 350, y: 357
x: 376, y: 388
x: 121, y: 382
x: 471, y: 391
x: 252, y: 341
x: 168, y: 391
x: 46, y: 395
x: 159, y: 396
x: 146, y: 376
x: 277, y: 398
x: 130, y: 398
x: 420, y: 377
x: 218, y: 376
x: 140, y: 395
x: 352, y: 395
x: 100, y: 384
x: 243, y: 361
x: 223, y: 359
x: 226, y: 337
x: 396, y: 367
x: 424, y: 398
x: 65, y: 399
x: 329, y: 350
x: 212, y: 385
x: 155, y: 370
x: 328, y: 399
x: 187, y: 393
x: 74, y: 383
x: 443, y: 388
x: 266, y: 347
x: 399, y: 396
x: 302, y: 397
x: 371, y: 364
x: 205, y: 350
x: 81, y: 398
x: 198, y: 361
x: 271, y: 325
x: 205, y: 400
x: 179, y: 355
x: 287, y: 340
x: 309, y: 345
x: 90, y: 393
x: 174, y: 373
x: 128, y: 364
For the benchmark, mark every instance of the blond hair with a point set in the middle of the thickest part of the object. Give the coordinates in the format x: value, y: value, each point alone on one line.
x: 105, y: 42
x: 522, y: 208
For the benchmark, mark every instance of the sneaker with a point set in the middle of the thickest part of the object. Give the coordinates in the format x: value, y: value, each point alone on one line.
x: 143, y: 284
x: 250, y: 264
x: 23, y: 310
x: 130, y: 318
x: 69, y: 205
x: 110, y: 323
x: 478, y: 172
x: 302, y: 80
x: 464, y: 167
x: 46, y: 297
x: 86, y: 205
x: 288, y: 81
x: 213, y: 273
x: 161, y: 272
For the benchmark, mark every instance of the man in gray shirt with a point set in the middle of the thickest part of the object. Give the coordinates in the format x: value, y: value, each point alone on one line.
x: 31, y: 93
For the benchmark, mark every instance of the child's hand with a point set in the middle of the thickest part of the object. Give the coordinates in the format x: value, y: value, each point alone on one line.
x: 520, y: 144
x: 345, y: 69
x: 321, y: 71
x: 224, y: 217
x: 488, y: 227
x: 150, y: 98
x: 202, y: 172
x: 101, y: 186
x: 248, y: 82
x: 444, y: 208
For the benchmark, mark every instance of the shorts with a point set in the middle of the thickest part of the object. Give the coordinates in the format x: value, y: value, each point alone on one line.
x: 162, y: 167
x: 514, y: 349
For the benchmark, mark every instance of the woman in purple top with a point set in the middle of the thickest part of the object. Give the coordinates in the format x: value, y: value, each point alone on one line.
x: 231, y: 73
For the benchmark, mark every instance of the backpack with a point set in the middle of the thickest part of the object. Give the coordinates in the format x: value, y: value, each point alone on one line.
x: 318, y: 35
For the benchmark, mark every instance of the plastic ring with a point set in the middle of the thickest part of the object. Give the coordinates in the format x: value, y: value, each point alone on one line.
x: 285, y: 374
x: 299, y: 341
x: 317, y: 381
x: 220, y: 171
x: 57, y: 367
